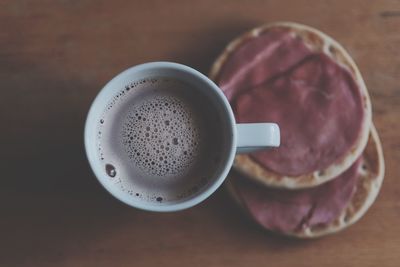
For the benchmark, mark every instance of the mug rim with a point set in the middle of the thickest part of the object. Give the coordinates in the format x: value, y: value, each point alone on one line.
x: 149, y: 206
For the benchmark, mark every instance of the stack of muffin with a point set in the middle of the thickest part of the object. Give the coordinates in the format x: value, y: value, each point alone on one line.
x: 329, y: 167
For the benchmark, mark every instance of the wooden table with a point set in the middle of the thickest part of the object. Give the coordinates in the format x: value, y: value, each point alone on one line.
x: 54, y: 58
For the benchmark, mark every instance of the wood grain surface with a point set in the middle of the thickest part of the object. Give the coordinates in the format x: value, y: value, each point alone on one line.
x: 54, y: 58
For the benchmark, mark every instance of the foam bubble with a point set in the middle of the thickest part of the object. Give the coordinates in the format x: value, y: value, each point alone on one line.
x: 110, y: 170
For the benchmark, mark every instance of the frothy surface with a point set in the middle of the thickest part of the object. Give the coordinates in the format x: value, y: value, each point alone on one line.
x: 161, y: 140
x: 161, y: 135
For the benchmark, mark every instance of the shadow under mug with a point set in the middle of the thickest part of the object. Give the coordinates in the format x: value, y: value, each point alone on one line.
x: 240, y: 138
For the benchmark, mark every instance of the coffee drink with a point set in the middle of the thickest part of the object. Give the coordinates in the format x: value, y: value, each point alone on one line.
x: 161, y: 139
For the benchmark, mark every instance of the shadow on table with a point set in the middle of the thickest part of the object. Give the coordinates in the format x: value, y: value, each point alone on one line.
x: 51, y: 205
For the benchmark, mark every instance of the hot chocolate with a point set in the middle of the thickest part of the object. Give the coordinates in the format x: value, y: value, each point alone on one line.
x: 158, y: 139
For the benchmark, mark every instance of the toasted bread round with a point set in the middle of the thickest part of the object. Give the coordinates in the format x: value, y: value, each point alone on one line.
x: 316, y: 41
x: 370, y: 178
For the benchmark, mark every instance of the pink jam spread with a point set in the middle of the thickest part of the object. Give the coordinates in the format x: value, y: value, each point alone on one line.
x: 316, y: 102
x: 287, y: 211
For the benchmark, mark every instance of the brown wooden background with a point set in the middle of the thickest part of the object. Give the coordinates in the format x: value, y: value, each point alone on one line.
x: 54, y: 58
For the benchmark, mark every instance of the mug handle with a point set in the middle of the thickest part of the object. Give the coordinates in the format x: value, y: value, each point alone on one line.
x: 256, y: 136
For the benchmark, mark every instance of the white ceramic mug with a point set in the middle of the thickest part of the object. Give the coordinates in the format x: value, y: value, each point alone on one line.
x: 242, y: 138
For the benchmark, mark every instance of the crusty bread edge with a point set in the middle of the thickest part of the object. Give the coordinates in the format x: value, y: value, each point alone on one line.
x: 371, y: 182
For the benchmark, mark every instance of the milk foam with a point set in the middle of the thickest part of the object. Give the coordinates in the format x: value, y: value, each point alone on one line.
x: 158, y: 141
x: 161, y: 136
